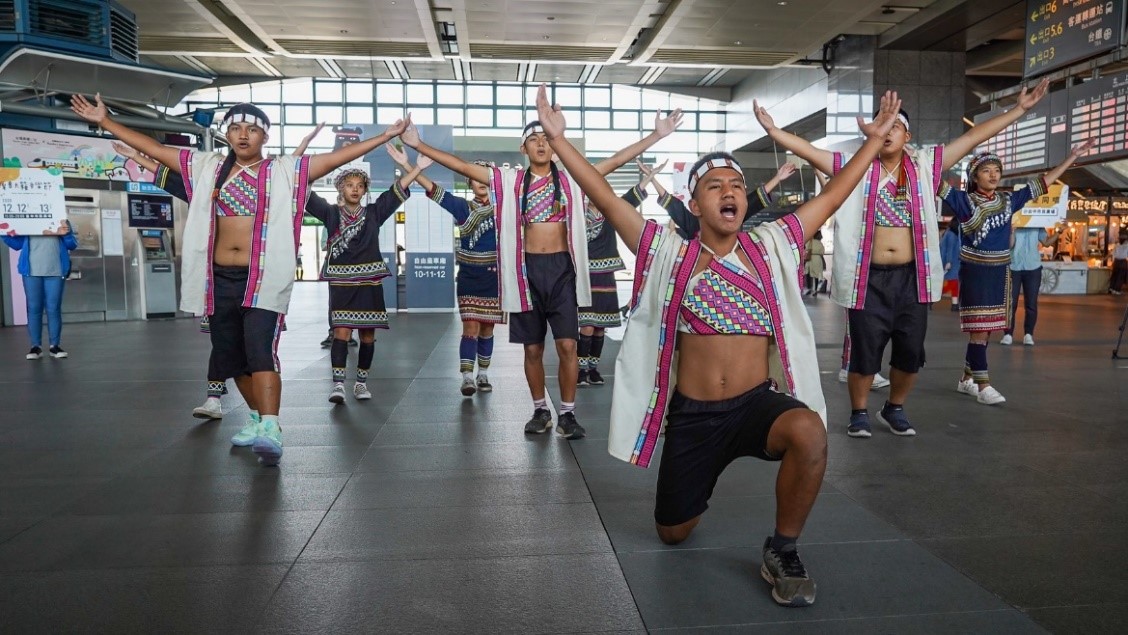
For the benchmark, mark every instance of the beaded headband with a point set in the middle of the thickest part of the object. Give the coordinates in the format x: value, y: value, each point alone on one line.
x: 344, y: 174
x: 246, y: 113
x: 981, y: 159
x: 712, y: 164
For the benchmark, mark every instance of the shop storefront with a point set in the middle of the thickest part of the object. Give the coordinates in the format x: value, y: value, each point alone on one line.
x: 1080, y: 262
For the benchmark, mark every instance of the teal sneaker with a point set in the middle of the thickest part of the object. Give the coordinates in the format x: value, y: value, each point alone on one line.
x: 246, y: 436
x: 268, y: 444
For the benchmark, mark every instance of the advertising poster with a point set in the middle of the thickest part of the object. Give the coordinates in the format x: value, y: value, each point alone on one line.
x: 1044, y: 211
x: 31, y: 202
x: 71, y: 155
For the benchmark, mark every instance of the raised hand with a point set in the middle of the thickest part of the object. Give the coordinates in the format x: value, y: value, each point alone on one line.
x: 399, y: 156
x: 666, y: 126
x: 763, y: 117
x: 785, y: 171
x: 410, y: 134
x: 424, y: 162
x: 1027, y: 100
x: 398, y: 127
x: 549, y: 115
x: 95, y: 113
x: 124, y: 150
x: 310, y: 137
x: 1083, y: 148
x: 886, y: 117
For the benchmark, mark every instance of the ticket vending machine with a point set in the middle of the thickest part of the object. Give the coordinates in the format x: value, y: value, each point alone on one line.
x: 151, y: 216
x: 158, y: 273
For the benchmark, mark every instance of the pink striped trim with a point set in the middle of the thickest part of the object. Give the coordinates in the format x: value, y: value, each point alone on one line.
x: 937, y: 167
x: 924, y: 281
x: 760, y: 262
x: 793, y: 229
x: 498, y: 189
x: 865, y: 245
x: 642, y: 263
x: 301, y: 194
x: 258, y: 235
x: 186, y: 171
x: 667, y: 338
x: 209, y: 278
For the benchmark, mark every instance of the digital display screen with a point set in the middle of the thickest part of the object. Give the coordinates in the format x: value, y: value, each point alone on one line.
x: 1062, y: 32
x: 1043, y: 137
x: 150, y: 210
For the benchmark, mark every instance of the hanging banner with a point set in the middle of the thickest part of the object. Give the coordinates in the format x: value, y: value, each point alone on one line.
x: 72, y: 155
x: 31, y: 202
x: 1046, y: 210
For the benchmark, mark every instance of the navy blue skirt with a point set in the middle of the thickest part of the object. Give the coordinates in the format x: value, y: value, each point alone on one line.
x: 477, y: 289
x: 984, y: 297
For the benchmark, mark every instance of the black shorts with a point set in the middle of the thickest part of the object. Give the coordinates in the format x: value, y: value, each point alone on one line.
x: 703, y: 437
x: 552, y: 283
x: 243, y: 340
x: 892, y: 312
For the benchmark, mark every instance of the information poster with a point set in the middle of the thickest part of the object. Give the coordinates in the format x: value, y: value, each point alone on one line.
x: 430, y: 281
x: 73, y: 155
x: 1046, y: 210
x: 31, y: 202
x: 1062, y: 32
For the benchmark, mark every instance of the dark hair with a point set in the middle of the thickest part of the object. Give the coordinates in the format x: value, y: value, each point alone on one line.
x: 712, y: 156
x: 224, y: 171
x: 529, y: 180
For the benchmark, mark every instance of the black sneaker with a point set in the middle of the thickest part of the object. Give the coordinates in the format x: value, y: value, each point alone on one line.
x: 594, y: 377
x: 353, y: 342
x: 57, y: 352
x: 569, y: 428
x: 327, y: 342
x: 540, y: 423
x: 35, y: 353
x: 583, y: 380
x: 791, y: 586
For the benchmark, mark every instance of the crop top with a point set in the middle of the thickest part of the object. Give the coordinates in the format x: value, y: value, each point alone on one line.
x: 892, y: 206
x: 541, y: 207
x: 239, y: 196
x: 725, y: 299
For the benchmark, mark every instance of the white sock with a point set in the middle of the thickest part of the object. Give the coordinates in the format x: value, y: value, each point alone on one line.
x: 467, y: 377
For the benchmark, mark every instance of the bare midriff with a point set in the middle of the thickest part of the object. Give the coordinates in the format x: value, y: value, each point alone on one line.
x: 715, y: 367
x: 233, y: 241
x: 892, y: 246
x: 546, y: 238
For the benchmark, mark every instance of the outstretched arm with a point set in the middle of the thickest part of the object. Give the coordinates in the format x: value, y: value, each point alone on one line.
x: 961, y: 147
x: 782, y: 174
x: 322, y: 164
x: 651, y: 176
x: 135, y: 156
x: 413, y: 173
x: 627, y: 223
x: 98, y: 114
x: 1075, y: 153
x: 174, y: 186
x: 663, y: 127
x: 820, y: 159
x: 400, y: 157
x: 814, y: 213
x: 301, y: 149
x: 410, y: 137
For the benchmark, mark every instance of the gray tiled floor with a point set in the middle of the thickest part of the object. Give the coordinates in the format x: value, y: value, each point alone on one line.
x: 421, y: 511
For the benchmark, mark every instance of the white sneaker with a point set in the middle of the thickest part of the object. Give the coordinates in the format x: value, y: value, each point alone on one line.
x: 990, y: 396
x: 360, y: 391
x: 843, y: 375
x: 338, y: 394
x: 468, y: 388
x: 483, y: 383
x: 879, y: 382
x: 1028, y: 340
x: 1007, y: 340
x: 211, y: 409
x: 968, y: 387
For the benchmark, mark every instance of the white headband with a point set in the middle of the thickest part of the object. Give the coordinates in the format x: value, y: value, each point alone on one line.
x: 246, y: 117
x: 530, y: 131
x: 904, y: 120
x: 719, y: 162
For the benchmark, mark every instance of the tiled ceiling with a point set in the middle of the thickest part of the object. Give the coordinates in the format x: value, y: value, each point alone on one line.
x: 688, y: 43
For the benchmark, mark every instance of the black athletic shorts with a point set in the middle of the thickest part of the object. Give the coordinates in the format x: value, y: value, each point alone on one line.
x: 892, y: 312
x: 703, y: 437
x: 552, y: 283
x: 243, y: 340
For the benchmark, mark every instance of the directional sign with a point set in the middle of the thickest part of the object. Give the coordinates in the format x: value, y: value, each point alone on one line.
x: 1062, y: 32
